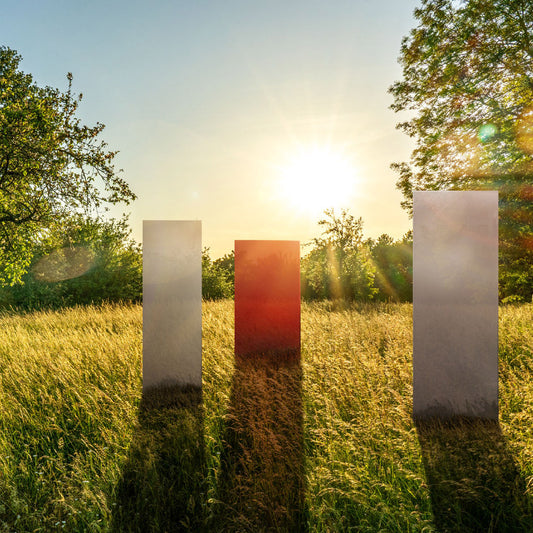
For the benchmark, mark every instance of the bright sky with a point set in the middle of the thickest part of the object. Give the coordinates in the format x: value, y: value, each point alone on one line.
x: 251, y: 116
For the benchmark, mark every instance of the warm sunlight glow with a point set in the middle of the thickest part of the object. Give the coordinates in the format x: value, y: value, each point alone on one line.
x: 316, y: 179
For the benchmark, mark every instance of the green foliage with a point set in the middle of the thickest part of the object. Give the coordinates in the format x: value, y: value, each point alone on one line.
x: 80, y: 261
x: 217, y: 276
x: 393, y: 261
x: 50, y: 164
x: 339, y: 266
x: 227, y: 263
x: 468, y: 77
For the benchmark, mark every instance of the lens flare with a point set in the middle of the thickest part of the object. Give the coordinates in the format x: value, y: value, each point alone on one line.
x: 65, y: 263
x: 527, y: 242
x: 524, y: 131
x: 334, y: 274
x: 487, y: 132
x: 526, y: 192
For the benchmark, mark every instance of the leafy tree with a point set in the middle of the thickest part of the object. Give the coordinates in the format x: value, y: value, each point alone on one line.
x: 227, y: 263
x: 339, y: 266
x: 468, y: 81
x: 51, y: 165
x: 393, y: 261
x: 80, y: 261
x: 217, y: 276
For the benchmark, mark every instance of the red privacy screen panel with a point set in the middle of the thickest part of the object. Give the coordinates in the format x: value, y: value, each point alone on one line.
x: 267, y: 297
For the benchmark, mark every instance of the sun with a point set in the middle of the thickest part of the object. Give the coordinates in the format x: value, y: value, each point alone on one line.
x: 317, y: 178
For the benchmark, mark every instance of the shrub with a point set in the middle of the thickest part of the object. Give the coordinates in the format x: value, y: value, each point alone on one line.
x: 217, y: 276
x: 80, y: 261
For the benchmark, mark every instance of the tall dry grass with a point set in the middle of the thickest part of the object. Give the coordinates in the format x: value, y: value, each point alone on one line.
x: 324, y: 445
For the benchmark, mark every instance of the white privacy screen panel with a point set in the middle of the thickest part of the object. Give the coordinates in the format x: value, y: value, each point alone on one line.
x: 172, y: 303
x: 455, y: 304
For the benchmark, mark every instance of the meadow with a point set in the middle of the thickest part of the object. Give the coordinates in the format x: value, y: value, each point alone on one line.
x: 322, y: 445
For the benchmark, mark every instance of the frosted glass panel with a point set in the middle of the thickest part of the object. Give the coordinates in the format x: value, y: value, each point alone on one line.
x: 455, y: 304
x: 172, y: 303
x: 267, y: 297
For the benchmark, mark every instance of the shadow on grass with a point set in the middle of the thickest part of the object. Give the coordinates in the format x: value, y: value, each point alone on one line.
x: 163, y: 484
x: 261, y: 486
x: 474, y: 483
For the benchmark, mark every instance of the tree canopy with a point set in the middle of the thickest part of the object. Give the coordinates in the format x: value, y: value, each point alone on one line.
x: 468, y: 85
x: 393, y: 261
x: 51, y: 165
x: 339, y: 266
x: 82, y: 261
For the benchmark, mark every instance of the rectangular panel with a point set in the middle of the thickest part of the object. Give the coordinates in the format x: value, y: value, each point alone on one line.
x: 172, y: 303
x: 267, y: 297
x: 455, y: 304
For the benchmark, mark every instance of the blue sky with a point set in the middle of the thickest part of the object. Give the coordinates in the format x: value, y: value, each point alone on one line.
x: 209, y: 102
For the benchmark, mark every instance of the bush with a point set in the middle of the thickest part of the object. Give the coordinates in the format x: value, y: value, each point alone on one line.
x: 394, y: 267
x: 80, y: 261
x: 339, y: 267
x: 217, y: 276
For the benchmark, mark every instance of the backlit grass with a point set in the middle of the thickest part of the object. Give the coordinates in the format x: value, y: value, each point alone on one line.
x: 326, y: 445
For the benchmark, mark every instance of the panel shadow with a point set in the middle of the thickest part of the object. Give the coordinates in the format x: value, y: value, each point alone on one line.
x: 261, y: 486
x: 163, y: 484
x: 474, y: 483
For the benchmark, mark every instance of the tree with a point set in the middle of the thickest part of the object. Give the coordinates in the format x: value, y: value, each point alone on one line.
x: 217, y: 276
x: 393, y: 261
x: 339, y: 267
x: 80, y: 261
x: 51, y: 165
x: 227, y: 263
x: 468, y: 78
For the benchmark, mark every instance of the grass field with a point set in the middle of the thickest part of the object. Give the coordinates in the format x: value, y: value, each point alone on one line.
x: 326, y: 445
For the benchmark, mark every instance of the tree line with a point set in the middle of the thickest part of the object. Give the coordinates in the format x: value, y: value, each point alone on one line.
x: 96, y: 260
x: 338, y: 265
x: 57, y: 247
x: 467, y: 83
